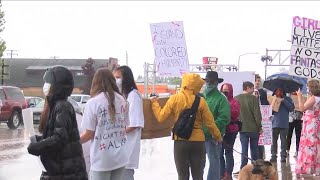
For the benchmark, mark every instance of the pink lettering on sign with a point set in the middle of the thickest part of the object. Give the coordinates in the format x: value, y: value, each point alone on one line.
x: 264, y: 138
x: 305, y: 23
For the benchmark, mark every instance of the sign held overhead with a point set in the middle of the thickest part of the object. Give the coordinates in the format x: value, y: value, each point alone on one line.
x: 170, y: 50
x: 305, y: 49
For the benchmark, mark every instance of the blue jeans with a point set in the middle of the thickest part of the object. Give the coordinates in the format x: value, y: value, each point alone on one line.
x: 245, y: 138
x: 213, y: 150
x: 226, y: 164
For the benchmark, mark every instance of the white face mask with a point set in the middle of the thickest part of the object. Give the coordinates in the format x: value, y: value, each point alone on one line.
x: 119, y: 83
x: 46, y: 88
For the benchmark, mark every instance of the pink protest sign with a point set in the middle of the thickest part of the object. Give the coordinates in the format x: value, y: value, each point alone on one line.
x: 266, y: 137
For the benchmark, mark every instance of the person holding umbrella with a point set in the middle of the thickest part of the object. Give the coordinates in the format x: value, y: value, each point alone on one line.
x: 281, y: 84
x: 280, y: 125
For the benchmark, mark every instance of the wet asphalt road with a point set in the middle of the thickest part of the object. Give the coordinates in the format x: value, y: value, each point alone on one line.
x: 156, y: 160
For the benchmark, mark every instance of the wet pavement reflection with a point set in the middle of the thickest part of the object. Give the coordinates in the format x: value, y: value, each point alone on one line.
x: 156, y: 160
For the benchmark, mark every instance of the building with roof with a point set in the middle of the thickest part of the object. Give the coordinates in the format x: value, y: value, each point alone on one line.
x: 27, y: 73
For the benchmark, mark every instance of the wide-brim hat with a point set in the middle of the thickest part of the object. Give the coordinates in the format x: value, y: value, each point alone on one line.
x: 213, y: 76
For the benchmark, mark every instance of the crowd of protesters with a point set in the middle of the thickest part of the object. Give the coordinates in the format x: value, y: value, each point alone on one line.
x: 113, y: 120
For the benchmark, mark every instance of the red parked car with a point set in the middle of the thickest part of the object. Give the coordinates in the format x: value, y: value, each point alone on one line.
x: 12, y: 102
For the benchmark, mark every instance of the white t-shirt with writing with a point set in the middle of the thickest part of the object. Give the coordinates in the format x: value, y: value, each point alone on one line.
x: 136, y: 120
x: 107, y: 149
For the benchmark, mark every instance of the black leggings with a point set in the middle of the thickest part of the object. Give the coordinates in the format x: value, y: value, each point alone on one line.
x: 189, y: 154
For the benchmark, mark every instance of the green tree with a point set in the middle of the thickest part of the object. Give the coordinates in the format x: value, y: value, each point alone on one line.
x: 175, y: 81
x: 2, y: 22
x: 2, y: 43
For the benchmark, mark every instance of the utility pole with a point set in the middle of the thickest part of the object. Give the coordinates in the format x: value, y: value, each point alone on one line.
x: 11, y: 53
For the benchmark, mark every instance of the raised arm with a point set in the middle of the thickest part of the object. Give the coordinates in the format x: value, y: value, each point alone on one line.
x: 162, y: 114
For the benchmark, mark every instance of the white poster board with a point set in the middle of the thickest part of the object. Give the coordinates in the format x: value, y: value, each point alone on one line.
x: 266, y: 137
x: 305, y: 49
x: 236, y: 79
x: 170, y: 50
x: 27, y: 116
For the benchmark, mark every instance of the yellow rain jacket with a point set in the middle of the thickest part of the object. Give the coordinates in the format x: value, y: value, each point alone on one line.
x: 191, y: 85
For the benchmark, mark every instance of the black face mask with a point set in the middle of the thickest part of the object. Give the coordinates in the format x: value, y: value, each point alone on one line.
x: 225, y: 93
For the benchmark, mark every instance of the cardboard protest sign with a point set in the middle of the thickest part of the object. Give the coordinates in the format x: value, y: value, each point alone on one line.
x: 275, y: 103
x: 170, y: 50
x: 305, y: 49
x: 152, y: 128
x: 266, y: 137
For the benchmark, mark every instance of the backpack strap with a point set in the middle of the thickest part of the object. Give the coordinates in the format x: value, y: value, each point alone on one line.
x: 195, y: 104
x: 194, y: 109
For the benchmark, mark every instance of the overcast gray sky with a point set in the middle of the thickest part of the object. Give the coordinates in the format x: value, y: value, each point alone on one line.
x: 102, y: 29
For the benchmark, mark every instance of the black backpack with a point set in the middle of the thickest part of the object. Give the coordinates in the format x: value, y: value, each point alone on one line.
x: 184, y: 125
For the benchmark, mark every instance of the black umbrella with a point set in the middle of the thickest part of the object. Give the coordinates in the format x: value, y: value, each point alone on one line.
x: 287, y: 83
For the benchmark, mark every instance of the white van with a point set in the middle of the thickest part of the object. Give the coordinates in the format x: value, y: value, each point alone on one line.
x: 81, y: 99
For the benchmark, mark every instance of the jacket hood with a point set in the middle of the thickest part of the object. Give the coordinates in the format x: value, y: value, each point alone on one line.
x: 192, y: 82
x: 230, y: 94
x: 61, y: 81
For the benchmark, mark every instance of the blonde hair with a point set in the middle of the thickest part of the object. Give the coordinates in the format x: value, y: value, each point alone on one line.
x: 314, y: 87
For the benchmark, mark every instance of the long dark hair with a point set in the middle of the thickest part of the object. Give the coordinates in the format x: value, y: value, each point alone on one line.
x: 104, y: 81
x: 128, y: 83
x: 45, y: 112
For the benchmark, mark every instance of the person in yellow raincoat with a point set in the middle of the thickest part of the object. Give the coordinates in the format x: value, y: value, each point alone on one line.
x: 189, y: 153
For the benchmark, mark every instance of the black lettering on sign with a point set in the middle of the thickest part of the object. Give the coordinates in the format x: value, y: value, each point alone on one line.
x: 306, y: 72
x: 295, y: 39
x: 298, y: 51
x: 160, y: 42
x: 169, y: 52
x: 317, y: 53
x: 173, y: 63
x: 297, y: 70
x: 305, y: 41
x: 171, y: 34
x: 313, y: 73
x: 308, y: 52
